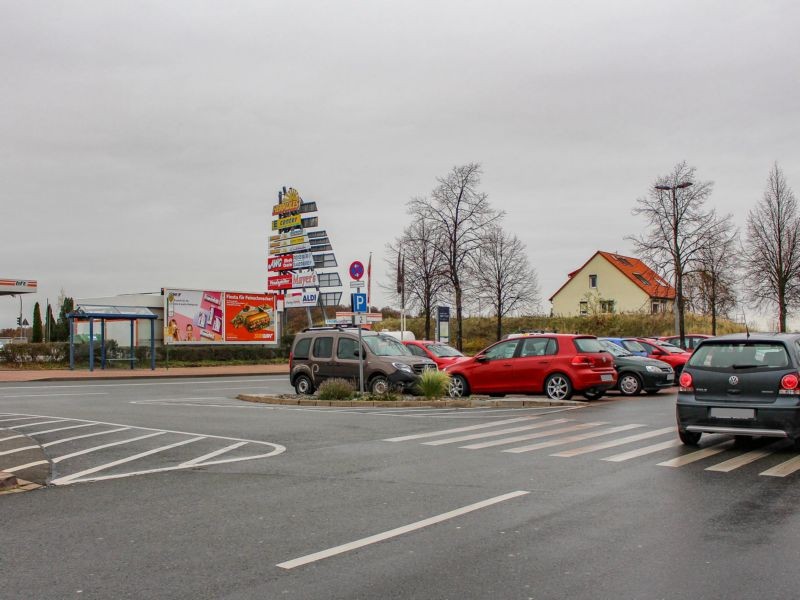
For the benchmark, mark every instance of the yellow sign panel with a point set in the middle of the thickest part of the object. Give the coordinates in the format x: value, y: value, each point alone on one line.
x: 288, y: 222
x: 290, y: 202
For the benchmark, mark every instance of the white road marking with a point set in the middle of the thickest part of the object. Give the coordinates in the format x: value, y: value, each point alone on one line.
x: 73, y: 476
x: 23, y: 467
x: 745, y: 459
x: 52, y: 395
x: 11, y: 437
x: 419, y: 436
x: 697, y: 455
x: 495, y: 433
x: 112, y: 444
x: 574, y: 438
x: 643, y: 451
x: 41, y: 423
x: 304, y: 560
x: 61, y: 429
x: 783, y: 469
x: 182, y: 381
x: 18, y: 450
x: 80, y: 437
x: 614, y: 443
x: 532, y: 436
x: 17, y: 419
x: 200, y: 459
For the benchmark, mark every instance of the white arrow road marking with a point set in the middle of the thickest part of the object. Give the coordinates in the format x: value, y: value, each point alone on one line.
x: 304, y: 560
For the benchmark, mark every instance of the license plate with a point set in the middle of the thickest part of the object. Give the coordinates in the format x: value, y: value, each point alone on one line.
x: 670, y: 376
x: 733, y: 413
x: 608, y: 377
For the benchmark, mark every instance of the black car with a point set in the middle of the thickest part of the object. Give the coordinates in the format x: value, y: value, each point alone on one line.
x: 637, y: 373
x: 742, y: 385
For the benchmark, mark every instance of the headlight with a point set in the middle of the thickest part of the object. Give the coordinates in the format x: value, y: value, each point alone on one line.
x: 403, y: 367
x: 653, y: 369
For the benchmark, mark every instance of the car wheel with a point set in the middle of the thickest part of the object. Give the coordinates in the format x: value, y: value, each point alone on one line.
x: 303, y: 385
x: 558, y: 387
x: 593, y: 394
x: 689, y: 438
x: 379, y: 385
x: 630, y: 385
x: 459, y: 388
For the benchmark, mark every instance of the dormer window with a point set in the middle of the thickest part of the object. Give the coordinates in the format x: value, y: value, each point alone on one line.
x: 592, y: 281
x: 641, y: 278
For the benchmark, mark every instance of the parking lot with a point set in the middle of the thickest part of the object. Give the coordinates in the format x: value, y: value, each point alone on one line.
x: 176, y: 489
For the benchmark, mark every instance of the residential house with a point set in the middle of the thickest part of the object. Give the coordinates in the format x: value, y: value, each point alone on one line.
x: 609, y: 283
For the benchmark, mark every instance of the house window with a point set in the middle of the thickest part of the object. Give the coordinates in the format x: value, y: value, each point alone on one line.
x: 641, y: 278
x: 607, y: 306
x: 659, y: 306
x: 584, y: 309
x: 592, y: 281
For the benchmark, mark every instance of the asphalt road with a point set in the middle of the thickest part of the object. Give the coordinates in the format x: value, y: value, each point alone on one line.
x: 173, y: 489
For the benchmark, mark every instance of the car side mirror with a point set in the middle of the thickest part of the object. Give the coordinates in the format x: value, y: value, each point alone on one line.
x: 481, y: 358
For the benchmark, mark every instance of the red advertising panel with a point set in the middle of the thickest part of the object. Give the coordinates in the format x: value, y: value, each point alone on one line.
x: 279, y: 282
x: 250, y: 318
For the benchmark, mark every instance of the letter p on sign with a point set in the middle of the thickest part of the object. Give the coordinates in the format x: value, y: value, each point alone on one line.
x: 359, y: 302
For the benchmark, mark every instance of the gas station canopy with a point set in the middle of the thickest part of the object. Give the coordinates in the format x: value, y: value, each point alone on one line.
x: 9, y: 287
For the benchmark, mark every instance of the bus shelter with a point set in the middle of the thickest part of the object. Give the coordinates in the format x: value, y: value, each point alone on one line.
x: 102, y: 314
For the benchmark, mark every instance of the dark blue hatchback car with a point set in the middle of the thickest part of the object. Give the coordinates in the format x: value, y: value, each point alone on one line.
x: 741, y: 385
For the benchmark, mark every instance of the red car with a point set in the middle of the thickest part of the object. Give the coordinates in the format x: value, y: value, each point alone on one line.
x: 556, y: 364
x: 672, y: 355
x: 441, y: 354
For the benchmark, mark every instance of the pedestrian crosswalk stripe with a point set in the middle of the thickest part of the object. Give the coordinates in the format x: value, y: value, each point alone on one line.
x: 643, y: 451
x: 574, y: 438
x: 613, y: 443
x: 698, y: 455
x: 485, y: 434
x: 783, y: 469
x: 746, y: 458
x: 419, y: 436
x: 532, y: 436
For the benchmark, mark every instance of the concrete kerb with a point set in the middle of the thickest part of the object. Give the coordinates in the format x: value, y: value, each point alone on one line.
x: 35, y: 476
x: 448, y: 403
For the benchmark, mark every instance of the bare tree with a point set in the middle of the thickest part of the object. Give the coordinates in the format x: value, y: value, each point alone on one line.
x: 461, y: 213
x: 504, y: 277
x: 679, y: 228
x: 710, y: 288
x: 772, y: 249
x: 424, y: 278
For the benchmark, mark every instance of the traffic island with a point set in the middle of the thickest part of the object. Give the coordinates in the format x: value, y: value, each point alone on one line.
x: 409, y: 402
x: 23, y: 463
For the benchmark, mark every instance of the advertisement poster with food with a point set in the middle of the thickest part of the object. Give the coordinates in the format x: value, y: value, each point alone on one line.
x: 250, y: 318
x: 192, y: 316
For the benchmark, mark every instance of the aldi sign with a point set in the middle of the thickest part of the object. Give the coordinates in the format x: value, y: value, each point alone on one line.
x: 300, y: 299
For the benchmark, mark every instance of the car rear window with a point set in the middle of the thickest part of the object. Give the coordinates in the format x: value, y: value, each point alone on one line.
x: 740, y: 355
x: 301, y: 349
x: 587, y: 345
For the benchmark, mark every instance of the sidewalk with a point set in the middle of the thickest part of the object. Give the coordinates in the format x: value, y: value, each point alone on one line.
x: 11, y: 375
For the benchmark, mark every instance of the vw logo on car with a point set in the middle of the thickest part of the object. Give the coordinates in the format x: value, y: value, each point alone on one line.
x: 733, y: 380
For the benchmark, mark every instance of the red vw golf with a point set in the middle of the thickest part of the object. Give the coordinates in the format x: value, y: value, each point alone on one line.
x: 441, y: 354
x: 556, y: 364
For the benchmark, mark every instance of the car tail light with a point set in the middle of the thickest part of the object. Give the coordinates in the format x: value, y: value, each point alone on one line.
x: 790, y: 381
x: 686, y: 382
x: 581, y: 360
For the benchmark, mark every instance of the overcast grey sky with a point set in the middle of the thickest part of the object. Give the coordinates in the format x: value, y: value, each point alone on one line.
x: 142, y: 144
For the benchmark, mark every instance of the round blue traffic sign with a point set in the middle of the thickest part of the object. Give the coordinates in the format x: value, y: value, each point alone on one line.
x: 356, y: 270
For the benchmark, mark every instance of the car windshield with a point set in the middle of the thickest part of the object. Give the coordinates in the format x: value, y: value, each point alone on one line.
x: 614, y: 349
x: 443, y: 351
x: 383, y: 345
x: 634, y: 346
x: 670, y: 348
x: 588, y: 345
x: 740, y: 355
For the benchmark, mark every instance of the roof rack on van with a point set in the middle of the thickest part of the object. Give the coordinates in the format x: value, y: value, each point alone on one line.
x: 341, y: 326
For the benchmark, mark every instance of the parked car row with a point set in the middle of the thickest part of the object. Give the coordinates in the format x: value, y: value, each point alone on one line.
x: 558, y: 365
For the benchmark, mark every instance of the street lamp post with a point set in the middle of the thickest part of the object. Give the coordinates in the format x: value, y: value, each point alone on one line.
x: 678, y: 279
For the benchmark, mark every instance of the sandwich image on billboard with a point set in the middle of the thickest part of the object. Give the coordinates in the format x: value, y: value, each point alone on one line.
x: 250, y: 318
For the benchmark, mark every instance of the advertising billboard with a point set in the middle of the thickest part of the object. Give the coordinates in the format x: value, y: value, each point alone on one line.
x: 296, y: 299
x: 279, y: 282
x: 288, y: 262
x: 215, y: 317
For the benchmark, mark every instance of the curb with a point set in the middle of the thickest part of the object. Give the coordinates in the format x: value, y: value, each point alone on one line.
x: 32, y: 457
x: 127, y: 375
x: 473, y: 403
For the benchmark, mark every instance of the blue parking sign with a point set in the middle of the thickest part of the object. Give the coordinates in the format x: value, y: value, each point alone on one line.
x: 359, y: 302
